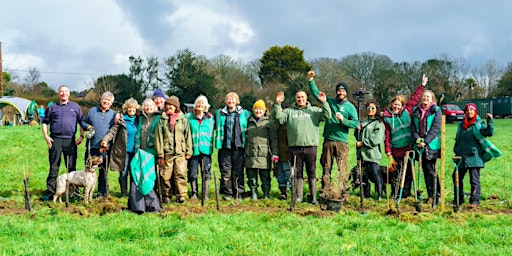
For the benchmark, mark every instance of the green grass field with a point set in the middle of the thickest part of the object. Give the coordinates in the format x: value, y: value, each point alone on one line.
x: 249, y: 227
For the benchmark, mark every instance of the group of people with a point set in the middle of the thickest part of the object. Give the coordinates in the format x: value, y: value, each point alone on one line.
x: 181, y: 145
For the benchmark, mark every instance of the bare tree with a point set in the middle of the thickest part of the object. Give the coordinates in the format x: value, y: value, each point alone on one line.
x: 32, y: 78
x: 329, y: 72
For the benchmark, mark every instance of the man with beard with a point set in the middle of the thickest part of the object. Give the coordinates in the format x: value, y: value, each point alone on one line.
x: 335, y: 146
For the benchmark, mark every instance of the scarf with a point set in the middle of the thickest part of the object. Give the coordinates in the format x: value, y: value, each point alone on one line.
x: 172, y: 119
x: 468, y: 122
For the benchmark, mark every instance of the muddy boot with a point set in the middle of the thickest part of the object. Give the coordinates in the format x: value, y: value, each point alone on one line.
x: 283, y: 195
x: 300, y: 190
x: 312, y: 190
x: 193, y: 187
x: 326, y: 178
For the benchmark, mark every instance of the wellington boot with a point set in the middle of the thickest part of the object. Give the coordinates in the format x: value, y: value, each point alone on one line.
x: 266, y: 193
x: 300, y: 190
x: 312, y: 190
x: 193, y: 186
x: 254, y: 194
x: 123, y: 183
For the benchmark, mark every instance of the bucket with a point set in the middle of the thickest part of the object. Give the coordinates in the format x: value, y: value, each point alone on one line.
x: 328, y: 204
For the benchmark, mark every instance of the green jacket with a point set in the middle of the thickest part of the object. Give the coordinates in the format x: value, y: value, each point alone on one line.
x: 372, y: 136
x: 471, y: 145
x: 432, y: 130
x: 400, y: 129
x: 145, y: 137
x: 261, y: 143
x: 334, y: 129
x: 177, y: 142
x: 202, y: 133
x: 302, y: 123
x: 239, y: 130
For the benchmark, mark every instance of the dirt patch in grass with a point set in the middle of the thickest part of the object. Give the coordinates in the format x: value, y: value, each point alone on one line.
x: 405, y: 212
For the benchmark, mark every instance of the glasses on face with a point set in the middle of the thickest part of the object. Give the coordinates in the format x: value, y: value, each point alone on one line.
x: 371, y: 108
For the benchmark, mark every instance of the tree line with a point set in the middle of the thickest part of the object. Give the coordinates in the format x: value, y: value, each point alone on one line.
x: 283, y: 68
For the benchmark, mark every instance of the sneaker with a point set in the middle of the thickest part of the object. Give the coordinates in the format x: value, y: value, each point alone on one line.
x: 181, y: 199
x: 473, y: 206
x: 227, y: 197
x: 283, y: 197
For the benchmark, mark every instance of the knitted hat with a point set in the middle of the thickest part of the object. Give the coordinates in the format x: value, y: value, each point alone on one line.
x: 259, y: 104
x: 159, y: 93
x: 173, y: 100
x: 342, y: 85
x: 472, y: 106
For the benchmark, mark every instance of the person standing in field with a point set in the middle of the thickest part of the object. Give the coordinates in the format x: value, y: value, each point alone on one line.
x: 474, y: 149
x: 230, y: 139
x: 426, y: 135
x: 40, y: 113
x: 283, y: 164
x: 335, y: 146
x: 159, y: 98
x: 124, y: 148
x: 63, y: 118
x: 260, y: 150
x: 371, y: 138
x: 302, y: 122
x: 397, y: 120
x: 98, y: 121
x: 174, y: 148
x: 201, y: 129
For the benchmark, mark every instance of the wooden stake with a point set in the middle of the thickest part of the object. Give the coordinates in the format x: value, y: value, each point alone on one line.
x: 443, y: 140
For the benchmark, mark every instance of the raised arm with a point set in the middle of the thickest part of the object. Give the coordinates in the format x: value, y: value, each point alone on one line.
x: 416, y: 95
x: 312, y: 85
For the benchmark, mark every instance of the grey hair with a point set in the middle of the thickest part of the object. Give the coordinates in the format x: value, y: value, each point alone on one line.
x: 204, y: 100
x: 150, y: 103
x: 108, y: 94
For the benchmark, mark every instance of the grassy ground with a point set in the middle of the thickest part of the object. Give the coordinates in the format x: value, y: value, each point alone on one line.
x: 248, y: 227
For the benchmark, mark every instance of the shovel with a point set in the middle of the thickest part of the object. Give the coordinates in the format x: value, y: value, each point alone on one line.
x: 456, y: 163
x: 417, y: 202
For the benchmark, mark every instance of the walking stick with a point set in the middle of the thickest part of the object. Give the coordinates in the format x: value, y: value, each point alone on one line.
x: 293, y: 175
x: 203, y: 185
x: 216, y: 191
x: 456, y: 163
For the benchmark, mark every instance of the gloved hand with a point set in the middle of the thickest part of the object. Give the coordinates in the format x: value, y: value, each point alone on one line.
x: 161, y: 160
x: 391, y: 164
x: 275, y: 158
x: 90, y: 128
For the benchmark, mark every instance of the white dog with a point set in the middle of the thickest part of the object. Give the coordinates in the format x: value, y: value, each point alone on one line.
x: 85, y: 178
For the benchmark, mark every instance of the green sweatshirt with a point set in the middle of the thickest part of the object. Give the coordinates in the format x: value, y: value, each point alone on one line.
x: 302, y: 123
x: 334, y: 129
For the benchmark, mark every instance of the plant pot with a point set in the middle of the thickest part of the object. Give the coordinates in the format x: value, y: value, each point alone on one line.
x: 330, y: 204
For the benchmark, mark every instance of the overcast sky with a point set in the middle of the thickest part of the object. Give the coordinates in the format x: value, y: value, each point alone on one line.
x: 75, y: 42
